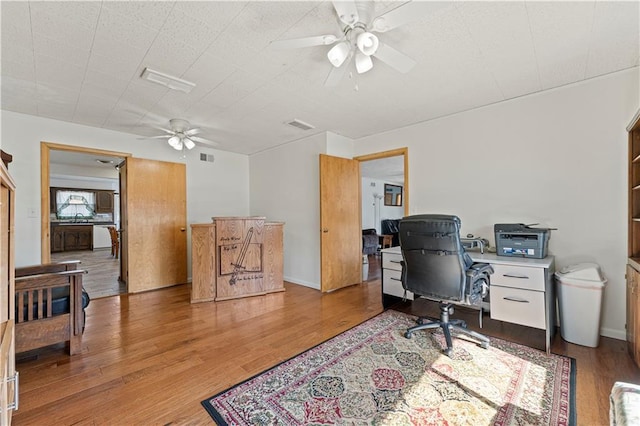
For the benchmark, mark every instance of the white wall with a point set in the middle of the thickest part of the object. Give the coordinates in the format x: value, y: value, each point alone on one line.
x: 213, y: 189
x: 558, y: 158
x: 285, y: 187
x: 374, y: 210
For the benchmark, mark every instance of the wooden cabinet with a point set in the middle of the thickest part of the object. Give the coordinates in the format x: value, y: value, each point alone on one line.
x: 260, y: 272
x: 8, y: 375
x: 104, y: 201
x: 273, y: 257
x: 633, y: 314
x: 203, y: 262
x: 71, y: 237
x: 633, y: 266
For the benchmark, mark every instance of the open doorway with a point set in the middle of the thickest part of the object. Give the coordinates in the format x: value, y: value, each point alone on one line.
x: 384, y: 201
x: 80, y: 202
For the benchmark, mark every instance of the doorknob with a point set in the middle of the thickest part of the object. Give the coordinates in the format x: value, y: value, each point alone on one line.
x: 183, y: 229
x: 325, y: 230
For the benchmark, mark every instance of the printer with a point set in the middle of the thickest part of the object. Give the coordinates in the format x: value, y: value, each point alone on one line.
x: 517, y: 239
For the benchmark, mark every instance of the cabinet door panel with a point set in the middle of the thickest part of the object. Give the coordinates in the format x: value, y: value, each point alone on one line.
x: 631, y: 310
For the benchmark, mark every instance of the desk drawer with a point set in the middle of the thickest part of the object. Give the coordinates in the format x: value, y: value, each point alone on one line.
x: 392, y: 284
x: 518, y: 277
x: 392, y: 261
x: 518, y: 306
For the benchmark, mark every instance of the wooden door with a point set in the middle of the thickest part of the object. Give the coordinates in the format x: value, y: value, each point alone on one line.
x: 154, y: 231
x: 122, y: 235
x: 340, y: 217
x: 7, y: 299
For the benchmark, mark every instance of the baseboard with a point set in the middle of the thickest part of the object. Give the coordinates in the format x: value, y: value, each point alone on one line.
x: 302, y: 282
x: 613, y: 333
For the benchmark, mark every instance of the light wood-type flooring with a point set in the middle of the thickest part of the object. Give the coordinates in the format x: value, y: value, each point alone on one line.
x: 150, y: 358
x: 102, y: 269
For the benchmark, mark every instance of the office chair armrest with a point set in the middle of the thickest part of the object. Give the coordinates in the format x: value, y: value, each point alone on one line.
x: 480, y: 268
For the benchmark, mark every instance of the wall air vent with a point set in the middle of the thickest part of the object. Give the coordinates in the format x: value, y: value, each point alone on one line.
x: 207, y: 157
x: 300, y: 124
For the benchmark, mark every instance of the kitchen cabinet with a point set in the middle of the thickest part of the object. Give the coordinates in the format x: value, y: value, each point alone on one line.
x: 57, y: 239
x: 71, y: 237
x: 104, y: 201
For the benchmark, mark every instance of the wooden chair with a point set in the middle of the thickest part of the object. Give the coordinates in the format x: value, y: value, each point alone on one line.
x: 115, y: 242
x: 50, y: 306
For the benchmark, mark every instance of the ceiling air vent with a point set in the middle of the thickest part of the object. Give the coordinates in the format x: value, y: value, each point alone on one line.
x: 300, y: 124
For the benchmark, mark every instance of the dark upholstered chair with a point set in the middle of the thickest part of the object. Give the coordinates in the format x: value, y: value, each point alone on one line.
x: 369, y: 241
x: 435, y: 266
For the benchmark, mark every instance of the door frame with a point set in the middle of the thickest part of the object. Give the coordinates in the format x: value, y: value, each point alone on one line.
x: 386, y: 154
x: 45, y: 224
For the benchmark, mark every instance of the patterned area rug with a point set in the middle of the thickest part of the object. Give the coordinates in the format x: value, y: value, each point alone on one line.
x: 372, y: 374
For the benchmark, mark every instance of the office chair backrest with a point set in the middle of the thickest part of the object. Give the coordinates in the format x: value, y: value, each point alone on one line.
x: 435, y: 263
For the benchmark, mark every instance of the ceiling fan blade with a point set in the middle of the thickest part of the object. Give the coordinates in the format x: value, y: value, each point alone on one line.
x: 203, y: 141
x: 193, y: 131
x: 394, y: 58
x: 347, y: 11
x: 295, y: 43
x: 163, y: 129
x: 155, y: 137
x: 407, y: 12
x: 336, y: 74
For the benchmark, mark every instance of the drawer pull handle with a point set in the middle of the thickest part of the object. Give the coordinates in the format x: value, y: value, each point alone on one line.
x: 516, y: 299
x: 395, y: 261
x: 522, y: 277
x: 395, y: 279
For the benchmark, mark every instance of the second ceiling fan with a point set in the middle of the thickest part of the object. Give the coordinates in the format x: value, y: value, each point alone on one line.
x: 358, y: 40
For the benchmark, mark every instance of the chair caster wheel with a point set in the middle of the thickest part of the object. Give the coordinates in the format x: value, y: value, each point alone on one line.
x: 447, y: 352
x: 463, y: 324
x: 484, y: 345
x: 420, y: 321
x: 407, y: 335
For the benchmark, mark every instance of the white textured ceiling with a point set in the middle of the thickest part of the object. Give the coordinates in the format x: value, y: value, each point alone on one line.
x: 81, y: 62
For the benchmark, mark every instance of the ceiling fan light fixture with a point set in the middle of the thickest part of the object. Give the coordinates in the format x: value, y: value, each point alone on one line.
x: 175, y: 142
x: 338, y: 53
x: 363, y: 63
x: 367, y: 43
x: 188, y: 143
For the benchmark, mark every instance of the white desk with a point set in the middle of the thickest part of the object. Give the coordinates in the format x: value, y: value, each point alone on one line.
x: 521, y: 290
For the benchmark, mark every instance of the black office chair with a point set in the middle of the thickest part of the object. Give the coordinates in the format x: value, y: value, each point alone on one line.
x: 435, y: 266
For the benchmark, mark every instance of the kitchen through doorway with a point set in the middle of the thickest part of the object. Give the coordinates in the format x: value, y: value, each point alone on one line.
x: 84, y: 200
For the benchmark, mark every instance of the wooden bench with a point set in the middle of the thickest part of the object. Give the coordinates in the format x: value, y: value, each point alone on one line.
x: 50, y: 306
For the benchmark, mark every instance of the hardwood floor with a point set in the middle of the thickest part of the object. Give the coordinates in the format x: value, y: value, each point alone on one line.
x: 102, y: 269
x: 150, y: 358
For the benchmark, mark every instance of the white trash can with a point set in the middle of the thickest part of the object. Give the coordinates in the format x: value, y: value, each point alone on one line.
x: 579, y: 289
x: 365, y: 267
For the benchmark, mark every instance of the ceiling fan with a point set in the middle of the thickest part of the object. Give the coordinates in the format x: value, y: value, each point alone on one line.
x: 358, y: 39
x: 181, y: 135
